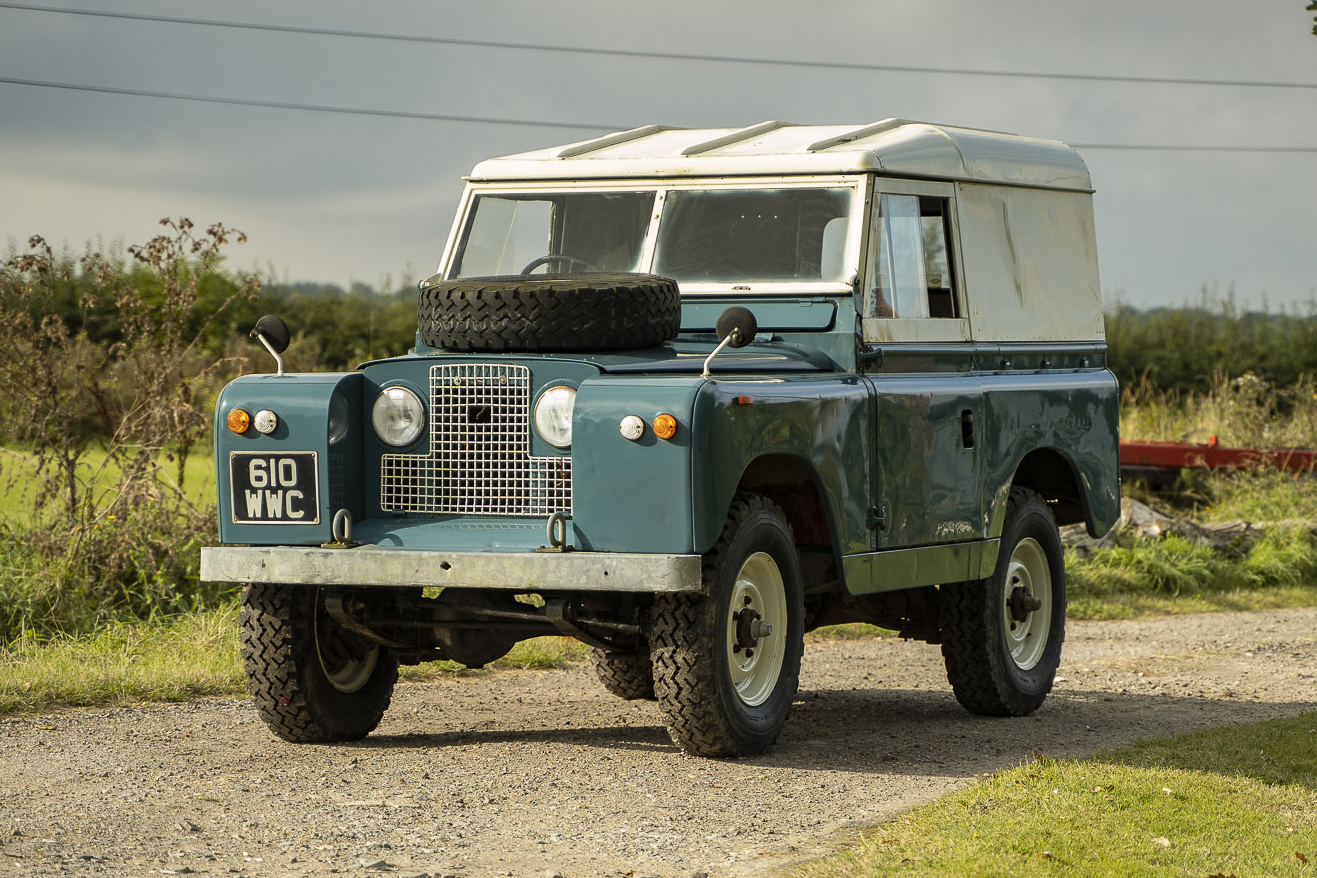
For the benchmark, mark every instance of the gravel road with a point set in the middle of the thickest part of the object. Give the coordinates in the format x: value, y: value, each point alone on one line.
x: 528, y: 773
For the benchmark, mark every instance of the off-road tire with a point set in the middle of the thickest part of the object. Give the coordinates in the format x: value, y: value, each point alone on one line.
x: 690, y: 646
x: 626, y: 675
x: 287, y: 679
x: 588, y: 311
x: 976, y: 636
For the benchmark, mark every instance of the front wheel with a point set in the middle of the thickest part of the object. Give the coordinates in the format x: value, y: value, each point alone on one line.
x: 1001, y: 637
x: 312, y: 679
x: 727, y: 663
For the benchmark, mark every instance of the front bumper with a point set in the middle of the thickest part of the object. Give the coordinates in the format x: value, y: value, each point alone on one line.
x: 516, y: 571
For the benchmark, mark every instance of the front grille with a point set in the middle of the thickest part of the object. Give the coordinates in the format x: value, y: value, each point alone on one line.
x: 479, y: 462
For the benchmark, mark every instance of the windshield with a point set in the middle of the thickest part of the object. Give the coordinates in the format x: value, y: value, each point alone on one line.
x: 746, y: 235
x: 704, y: 236
x: 566, y: 231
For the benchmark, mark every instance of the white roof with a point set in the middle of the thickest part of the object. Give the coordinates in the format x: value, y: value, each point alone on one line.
x: 895, y: 147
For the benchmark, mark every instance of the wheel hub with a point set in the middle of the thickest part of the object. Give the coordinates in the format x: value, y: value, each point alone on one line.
x: 1021, y: 603
x: 749, y: 628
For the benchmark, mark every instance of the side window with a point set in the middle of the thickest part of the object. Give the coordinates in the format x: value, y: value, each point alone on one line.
x: 935, y: 219
x: 910, y: 266
x: 898, y: 287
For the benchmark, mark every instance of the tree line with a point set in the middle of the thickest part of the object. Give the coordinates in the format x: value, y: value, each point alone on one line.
x: 1183, y: 349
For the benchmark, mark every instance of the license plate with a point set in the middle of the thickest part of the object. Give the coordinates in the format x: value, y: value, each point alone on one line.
x: 274, y: 488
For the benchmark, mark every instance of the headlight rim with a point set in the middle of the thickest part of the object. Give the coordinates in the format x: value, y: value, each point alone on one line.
x: 542, y: 400
x: 413, y: 433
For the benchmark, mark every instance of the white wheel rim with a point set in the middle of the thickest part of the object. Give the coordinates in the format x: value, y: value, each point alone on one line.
x: 1028, y: 570
x: 755, y: 669
x: 344, y: 672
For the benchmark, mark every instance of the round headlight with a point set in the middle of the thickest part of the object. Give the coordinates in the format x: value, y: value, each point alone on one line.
x: 553, y: 415
x: 398, y: 416
x: 338, y: 418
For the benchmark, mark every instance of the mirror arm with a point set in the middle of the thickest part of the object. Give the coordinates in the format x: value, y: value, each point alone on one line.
x: 716, y: 351
x: 279, y: 361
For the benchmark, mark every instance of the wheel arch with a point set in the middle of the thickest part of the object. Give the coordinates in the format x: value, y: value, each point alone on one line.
x: 1053, y: 475
x: 796, y: 488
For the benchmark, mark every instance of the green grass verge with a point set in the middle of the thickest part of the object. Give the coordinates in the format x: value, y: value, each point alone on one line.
x: 19, y: 480
x: 178, y: 658
x: 1172, y: 576
x: 1240, y: 800
x: 169, y: 659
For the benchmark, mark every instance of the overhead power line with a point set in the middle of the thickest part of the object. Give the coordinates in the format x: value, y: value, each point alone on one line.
x: 318, y: 108
x: 542, y: 123
x: 666, y: 56
x: 1170, y: 147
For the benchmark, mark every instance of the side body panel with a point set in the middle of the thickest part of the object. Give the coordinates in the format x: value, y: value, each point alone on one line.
x: 1070, y: 415
x: 928, y: 474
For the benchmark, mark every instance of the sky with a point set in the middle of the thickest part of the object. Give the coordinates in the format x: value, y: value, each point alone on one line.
x: 348, y: 197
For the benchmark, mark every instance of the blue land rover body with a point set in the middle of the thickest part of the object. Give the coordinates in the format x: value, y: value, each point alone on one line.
x: 685, y: 395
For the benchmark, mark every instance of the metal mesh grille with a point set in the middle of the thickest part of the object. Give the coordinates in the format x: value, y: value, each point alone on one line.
x: 479, y: 461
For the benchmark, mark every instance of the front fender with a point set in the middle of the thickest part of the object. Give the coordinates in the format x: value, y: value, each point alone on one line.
x: 301, y: 402
x: 821, y: 421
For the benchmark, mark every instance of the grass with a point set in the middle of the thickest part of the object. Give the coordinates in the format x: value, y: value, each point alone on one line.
x: 1241, y: 412
x: 179, y: 658
x: 18, y: 480
x: 168, y: 659
x: 1173, y: 575
x: 1229, y: 801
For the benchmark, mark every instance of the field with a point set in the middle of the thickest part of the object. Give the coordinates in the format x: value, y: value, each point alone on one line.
x: 100, y: 603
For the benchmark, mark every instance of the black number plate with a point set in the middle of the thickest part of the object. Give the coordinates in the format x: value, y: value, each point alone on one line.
x: 274, y: 488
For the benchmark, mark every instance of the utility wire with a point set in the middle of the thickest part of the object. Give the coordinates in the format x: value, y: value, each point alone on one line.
x: 541, y: 123
x: 319, y: 108
x: 666, y: 56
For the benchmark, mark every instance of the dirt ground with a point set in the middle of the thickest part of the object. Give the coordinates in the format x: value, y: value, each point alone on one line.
x: 536, y: 773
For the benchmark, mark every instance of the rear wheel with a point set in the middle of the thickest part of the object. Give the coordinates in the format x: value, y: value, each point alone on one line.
x: 626, y: 675
x: 312, y: 679
x: 1001, y: 637
x: 727, y: 664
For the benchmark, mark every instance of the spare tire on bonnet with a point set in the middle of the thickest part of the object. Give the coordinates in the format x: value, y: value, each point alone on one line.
x: 576, y: 312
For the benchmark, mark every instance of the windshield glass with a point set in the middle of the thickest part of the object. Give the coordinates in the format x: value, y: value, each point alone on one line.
x: 737, y: 235
x: 562, y: 231
x: 747, y: 235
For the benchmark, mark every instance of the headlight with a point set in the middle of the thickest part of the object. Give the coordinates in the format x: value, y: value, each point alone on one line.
x: 553, y: 415
x: 398, y: 416
x: 338, y: 418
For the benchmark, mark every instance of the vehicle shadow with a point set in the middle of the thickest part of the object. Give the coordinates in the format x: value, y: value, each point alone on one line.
x: 648, y: 737
x: 918, y: 732
x: 926, y: 732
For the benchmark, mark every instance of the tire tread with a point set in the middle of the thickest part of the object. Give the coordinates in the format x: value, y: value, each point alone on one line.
x: 592, y: 311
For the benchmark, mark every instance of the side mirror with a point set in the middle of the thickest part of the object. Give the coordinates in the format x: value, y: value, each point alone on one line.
x: 737, y: 326
x: 273, y: 334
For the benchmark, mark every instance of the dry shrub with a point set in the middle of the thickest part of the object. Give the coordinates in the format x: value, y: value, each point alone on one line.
x: 106, y: 425
x: 1244, y: 411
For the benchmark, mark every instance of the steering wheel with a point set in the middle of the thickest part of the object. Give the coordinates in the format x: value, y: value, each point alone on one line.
x: 568, y: 261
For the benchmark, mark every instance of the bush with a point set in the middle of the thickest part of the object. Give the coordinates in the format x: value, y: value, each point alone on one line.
x: 107, y: 406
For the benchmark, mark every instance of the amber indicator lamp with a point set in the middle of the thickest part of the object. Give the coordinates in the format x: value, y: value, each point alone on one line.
x: 665, y: 426
x: 239, y: 421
